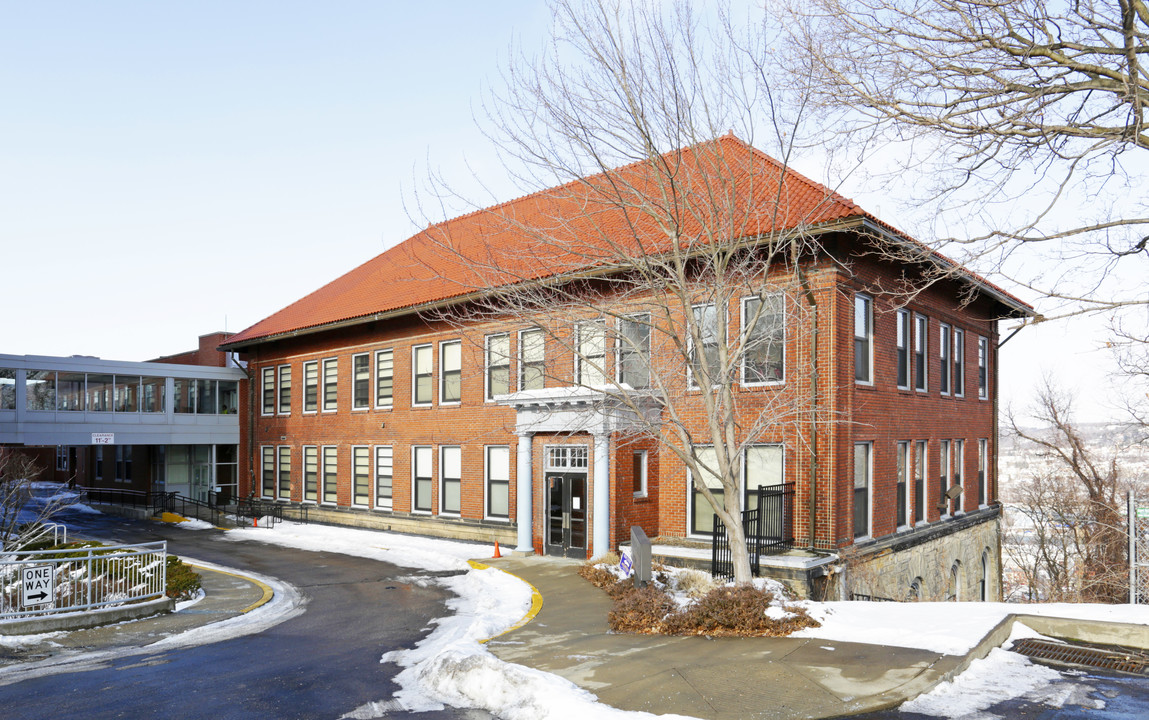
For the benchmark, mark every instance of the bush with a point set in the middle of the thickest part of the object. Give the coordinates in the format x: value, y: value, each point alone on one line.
x: 639, y: 610
x: 183, y: 582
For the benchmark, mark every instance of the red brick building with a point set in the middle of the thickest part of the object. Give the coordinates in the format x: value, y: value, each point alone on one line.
x: 398, y: 396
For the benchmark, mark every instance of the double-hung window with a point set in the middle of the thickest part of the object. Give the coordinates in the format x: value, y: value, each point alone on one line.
x: 451, y: 476
x: 330, y: 474
x: 903, y: 449
x: 360, y: 381
x: 451, y: 371
x: 701, y: 512
x: 360, y: 475
x: 862, y: 473
x: 284, y: 402
x: 903, y: 349
x: 921, y: 343
x: 283, y: 473
x: 532, y: 360
x: 705, y: 359
x: 943, y: 477
x: 764, y: 340
x: 590, y: 355
x: 761, y: 469
x: 498, y: 466
x: 638, y: 468
x: 422, y: 457
x: 959, y: 362
x: 863, y: 339
x: 920, y: 481
x: 959, y: 472
x: 269, y: 391
x: 982, y: 475
x: 423, y: 366
x: 634, y: 351
x: 384, y: 378
x: 331, y: 385
x: 983, y: 368
x: 498, y: 362
x: 311, y: 386
x: 310, y: 473
x: 268, y: 471
x: 945, y: 361
x: 384, y: 477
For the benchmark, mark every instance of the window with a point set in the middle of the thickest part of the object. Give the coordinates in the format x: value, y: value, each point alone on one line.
x: 764, y: 323
x: 99, y: 462
x: 153, y: 397
x: 268, y: 474
x: 126, y: 394
x: 702, y: 514
x: 311, y: 386
x: 590, y: 358
x: 62, y: 458
x: 330, y: 474
x: 567, y: 457
x: 422, y: 365
x: 982, y: 476
x: 421, y: 459
x: 863, y: 339
x: 205, y: 397
x: 862, y: 510
x: 360, y: 475
x: 384, y: 477
x: 921, y: 342
x: 983, y: 368
x: 634, y: 351
x: 903, y: 349
x: 944, y: 358
x: 498, y: 481
x: 959, y: 362
x: 943, y: 477
x: 269, y: 391
x: 284, y: 402
x: 638, y: 465
x: 903, y: 451
x: 360, y: 381
x: 451, y: 371
x: 124, y: 463
x: 706, y: 322
x: 532, y: 359
x: 7, y: 389
x: 958, y: 471
x: 283, y: 474
x: 451, y: 476
x: 384, y: 378
x: 310, y: 473
x: 920, y: 481
x: 331, y: 385
x: 498, y: 364
x: 762, y: 468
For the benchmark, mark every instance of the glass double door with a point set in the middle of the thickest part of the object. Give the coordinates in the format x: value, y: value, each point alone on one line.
x: 566, y: 514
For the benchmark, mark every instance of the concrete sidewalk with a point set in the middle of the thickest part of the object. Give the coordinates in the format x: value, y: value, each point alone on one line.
x: 707, y: 678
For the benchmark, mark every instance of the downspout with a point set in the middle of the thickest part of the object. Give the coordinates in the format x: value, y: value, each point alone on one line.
x: 250, y: 426
x: 812, y: 494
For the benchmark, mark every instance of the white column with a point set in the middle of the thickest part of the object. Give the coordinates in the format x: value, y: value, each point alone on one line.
x: 525, y: 493
x: 601, y: 536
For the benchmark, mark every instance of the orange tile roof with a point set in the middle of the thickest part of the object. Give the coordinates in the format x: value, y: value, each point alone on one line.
x: 576, y: 227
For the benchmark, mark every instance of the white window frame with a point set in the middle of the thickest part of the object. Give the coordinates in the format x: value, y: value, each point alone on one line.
x: 867, y: 337
x: 279, y: 470
x: 945, y: 360
x: 303, y: 396
x: 488, y: 482
x: 524, y: 363
x: 268, y: 459
x: 691, y: 521
x: 983, y: 471
x: 743, y: 323
x: 324, y: 386
x: 415, y: 477
x: 443, y: 480
x: 922, y: 463
x: 444, y: 347
x: 268, y: 392
x: 902, y: 332
x: 921, y: 348
x: 366, y: 399
x: 380, y: 402
x: 303, y: 473
x: 359, y: 450
x: 957, y: 474
x: 377, y: 466
x: 639, y: 460
x: 982, y: 368
x: 902, y: 463
x: 945, y: 462
x: 489, y: 355
x: 592, y: 372
x: 957, y: 348
x: 323, y: 474
x: 280, y: 386
x: 623, y: 349
x: 415, y: 375
x: 720, y: 337
x: 869, y: 446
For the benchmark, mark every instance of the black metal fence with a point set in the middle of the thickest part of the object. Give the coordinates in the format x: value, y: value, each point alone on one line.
x: 768, y: 528
x: 252, y: 508
x: 243, y: 509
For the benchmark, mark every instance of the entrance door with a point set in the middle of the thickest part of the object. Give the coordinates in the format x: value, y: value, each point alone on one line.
x: 566, y: 514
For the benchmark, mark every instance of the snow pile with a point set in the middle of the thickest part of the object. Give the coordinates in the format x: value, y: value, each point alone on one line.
x: 193, y: 524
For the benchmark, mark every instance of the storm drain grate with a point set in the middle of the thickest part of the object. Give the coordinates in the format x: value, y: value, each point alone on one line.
x: 1127, y: 661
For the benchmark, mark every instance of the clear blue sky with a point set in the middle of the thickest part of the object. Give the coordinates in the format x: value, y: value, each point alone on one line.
x: 167, y: 169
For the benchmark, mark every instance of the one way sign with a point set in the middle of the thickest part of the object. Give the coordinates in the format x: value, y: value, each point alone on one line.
x: 37, y: 585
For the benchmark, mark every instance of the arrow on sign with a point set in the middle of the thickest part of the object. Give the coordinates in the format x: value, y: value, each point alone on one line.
x: 41, y: 596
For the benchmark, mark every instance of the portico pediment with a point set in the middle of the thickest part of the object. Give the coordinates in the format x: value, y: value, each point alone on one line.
x: 581, y: 409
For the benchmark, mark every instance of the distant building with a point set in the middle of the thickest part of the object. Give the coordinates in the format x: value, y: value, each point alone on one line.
x: 380, y: 415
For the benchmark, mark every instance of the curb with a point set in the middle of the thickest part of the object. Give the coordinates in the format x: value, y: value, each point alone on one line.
x: 536, y: 600
x: 268, y: 593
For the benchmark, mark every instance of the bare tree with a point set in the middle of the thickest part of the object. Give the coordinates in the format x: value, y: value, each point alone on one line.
x: 21, y: 510
x: 660, y: 228
x: 1071, y: 538
x: 1001, y: 105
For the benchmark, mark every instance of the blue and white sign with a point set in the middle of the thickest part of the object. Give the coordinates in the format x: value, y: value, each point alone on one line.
x: 625, y: 565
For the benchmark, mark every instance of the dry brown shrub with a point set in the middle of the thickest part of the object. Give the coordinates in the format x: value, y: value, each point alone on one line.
x: 695, y: 583
x: 640, y: 610
x: 598, y: 576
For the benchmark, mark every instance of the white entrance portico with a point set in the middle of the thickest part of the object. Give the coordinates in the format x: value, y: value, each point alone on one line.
x: 572, y: 411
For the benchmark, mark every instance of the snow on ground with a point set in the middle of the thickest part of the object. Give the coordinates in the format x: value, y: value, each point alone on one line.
x: 193, y: 524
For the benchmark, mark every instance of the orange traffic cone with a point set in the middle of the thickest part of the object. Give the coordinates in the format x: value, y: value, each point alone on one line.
x: 497, y: 553
x: 255, y: 522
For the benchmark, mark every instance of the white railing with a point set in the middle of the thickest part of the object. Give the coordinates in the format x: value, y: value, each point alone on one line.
x: 45, y: 582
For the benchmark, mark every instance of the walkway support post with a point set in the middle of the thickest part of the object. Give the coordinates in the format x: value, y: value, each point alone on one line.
x: 524, y: 494
x: 601, y: 506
